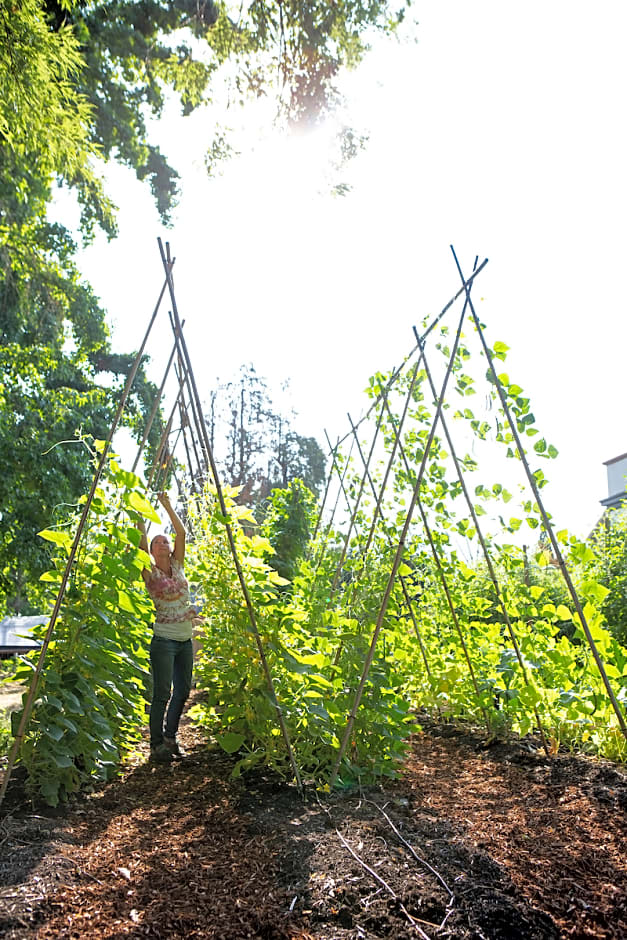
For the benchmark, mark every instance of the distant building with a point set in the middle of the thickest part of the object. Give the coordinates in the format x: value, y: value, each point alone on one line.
x: 616, y: 488
x: 16, y: 635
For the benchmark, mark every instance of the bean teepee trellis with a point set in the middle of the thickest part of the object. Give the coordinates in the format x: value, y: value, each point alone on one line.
x: 201, y: 470
x: 439, y: 396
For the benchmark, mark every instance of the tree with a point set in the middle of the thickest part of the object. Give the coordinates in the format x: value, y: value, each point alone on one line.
x: 260, y: 450
x: 136, y: 54
x: 77, y: 82
x: 54, y: 342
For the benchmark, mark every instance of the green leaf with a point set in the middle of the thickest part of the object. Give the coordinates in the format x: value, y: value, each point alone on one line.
x: 127, y: 603
x: 58, y: 536
x: 230, y: 741
x: 62, y: 760
x: 141, y: 505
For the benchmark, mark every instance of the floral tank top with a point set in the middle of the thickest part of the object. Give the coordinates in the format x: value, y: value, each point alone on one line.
x: 170, y: 595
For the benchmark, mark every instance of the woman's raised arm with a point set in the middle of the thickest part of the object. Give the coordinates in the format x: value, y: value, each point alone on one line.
x: 179, y: 528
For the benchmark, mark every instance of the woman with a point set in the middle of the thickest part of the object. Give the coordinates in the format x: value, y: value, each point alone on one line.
x: 171, y: 656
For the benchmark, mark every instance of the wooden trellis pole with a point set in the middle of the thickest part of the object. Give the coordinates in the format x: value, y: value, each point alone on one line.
x: 548, y: 528
x: 197, y: 415
x: 326, y: 489
x: 340, y: 564
x: 444, y: 581
x: 184, y: 424
x: 488, y: 559
x: 378, y: 498
x: 322, y: 550
x: 227, y: 525
x: 396, y: 562
x: 200, y: 470
x: 153, y: 412
x: 160, y: 454
x: 30, y: 698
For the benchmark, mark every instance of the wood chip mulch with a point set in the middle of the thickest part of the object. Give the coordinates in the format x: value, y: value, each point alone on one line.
x: 470, y: 842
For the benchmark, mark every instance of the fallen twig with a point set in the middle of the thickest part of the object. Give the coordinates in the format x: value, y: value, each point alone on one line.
x: 420, y: 860
x: 378, y: 878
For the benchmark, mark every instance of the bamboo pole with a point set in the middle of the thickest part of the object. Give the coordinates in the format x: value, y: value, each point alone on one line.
x: 444, y: 581
x: 392, y: 458
x: 340, y: 563
x: 163, y: 474
x: 545, y: 519
x: 396, y: 563
x: 488, y: 559
x: 326, y: 490
x: 432, y: 325
x: 322, y: 551
x: 163, y: 443
x: 153, y: 412
x: 184, y: 424
x: 182, y: 377
x: 30, y: 698
x: 378, y: 498
x: 227, y: 525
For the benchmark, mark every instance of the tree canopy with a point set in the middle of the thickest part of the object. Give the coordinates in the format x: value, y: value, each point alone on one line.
x: 79, y: 80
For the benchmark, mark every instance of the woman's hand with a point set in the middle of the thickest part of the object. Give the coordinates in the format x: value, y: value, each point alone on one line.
x: 179, y: 528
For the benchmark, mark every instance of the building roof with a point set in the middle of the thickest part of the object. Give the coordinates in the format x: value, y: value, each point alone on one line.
x: 16, y: 634
x: 606, y: 463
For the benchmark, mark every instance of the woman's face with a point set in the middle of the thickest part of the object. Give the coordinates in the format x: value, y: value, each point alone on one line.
x: 161, y: 547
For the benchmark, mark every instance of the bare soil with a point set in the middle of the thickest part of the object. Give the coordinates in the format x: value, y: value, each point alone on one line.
x: 470, y: 842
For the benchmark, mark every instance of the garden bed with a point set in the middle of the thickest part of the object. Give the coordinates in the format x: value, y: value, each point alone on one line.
x: 471, y: 841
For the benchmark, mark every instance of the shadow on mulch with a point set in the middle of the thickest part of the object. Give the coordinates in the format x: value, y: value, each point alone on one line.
x: 468, y: 843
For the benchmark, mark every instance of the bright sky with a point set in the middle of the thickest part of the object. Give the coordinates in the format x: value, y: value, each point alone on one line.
x: 500, y: 131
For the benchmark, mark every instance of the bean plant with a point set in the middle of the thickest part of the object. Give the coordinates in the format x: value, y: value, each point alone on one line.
x: 476, y: 626
x: 91, y: 695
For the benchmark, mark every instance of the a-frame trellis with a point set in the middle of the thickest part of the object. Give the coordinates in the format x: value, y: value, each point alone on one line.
x: 415, y: 474
x: 194, y: 432
x: 201, y: 468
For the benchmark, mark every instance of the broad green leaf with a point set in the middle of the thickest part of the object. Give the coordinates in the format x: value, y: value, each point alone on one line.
x: 141, y: 505
x: 62, y: 760
x: 230, y: 741
x: 58, y: 536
